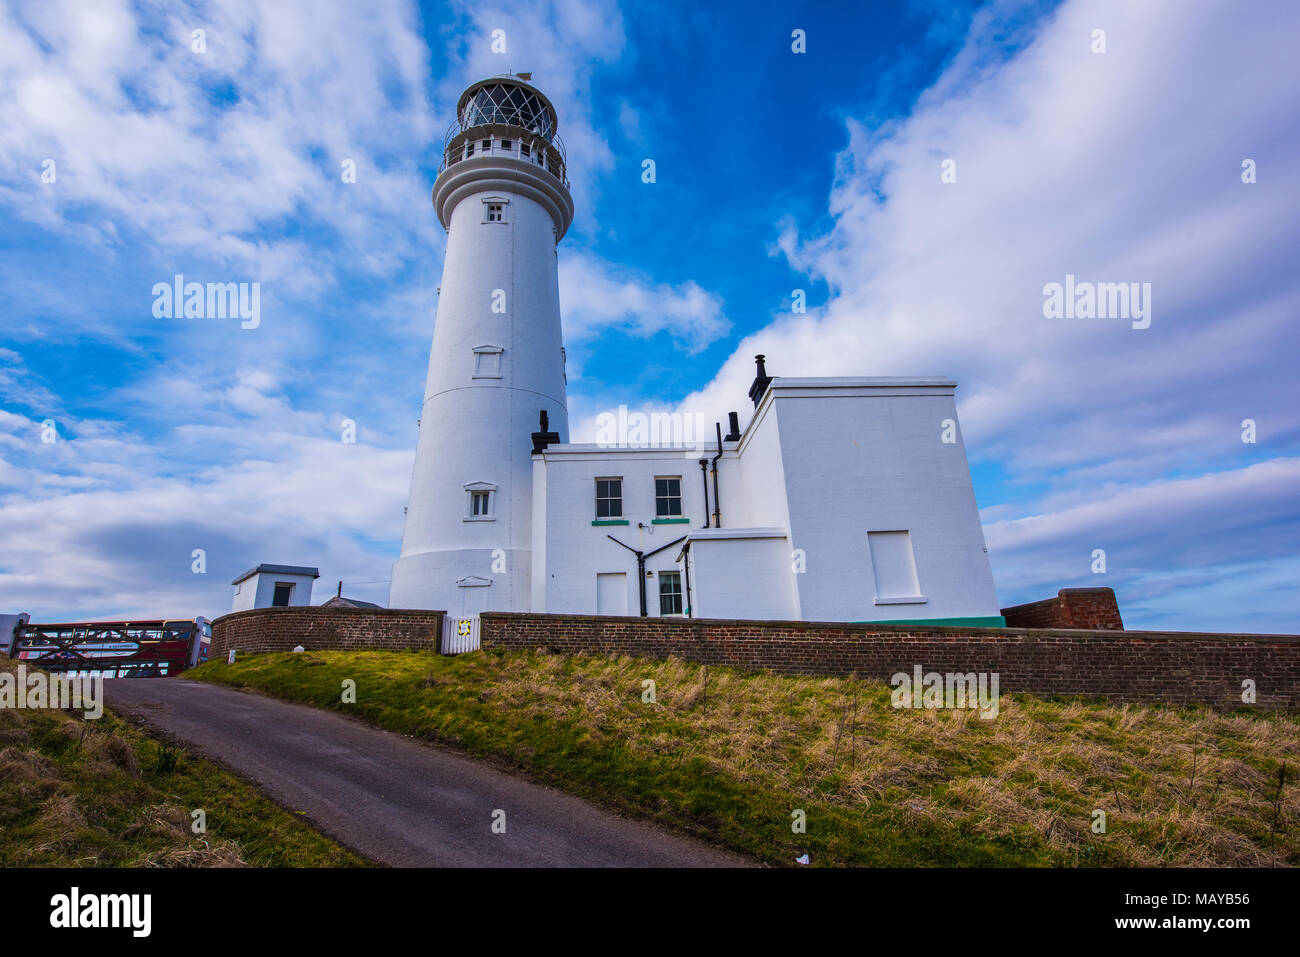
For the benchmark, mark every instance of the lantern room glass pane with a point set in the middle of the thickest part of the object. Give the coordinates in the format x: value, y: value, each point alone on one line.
x: 508, y: 104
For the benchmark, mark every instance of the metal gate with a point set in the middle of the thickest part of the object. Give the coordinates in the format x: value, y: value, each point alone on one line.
x: 459, y: 635
x: 115, y: 649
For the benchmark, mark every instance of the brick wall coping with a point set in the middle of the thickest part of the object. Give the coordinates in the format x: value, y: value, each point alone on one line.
x: 321, y: 628
x: 895, y: 629
x: 328, y: 610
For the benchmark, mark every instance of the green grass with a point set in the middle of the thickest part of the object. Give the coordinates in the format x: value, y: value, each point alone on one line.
x: 729, y: 756
x: 78, y: 793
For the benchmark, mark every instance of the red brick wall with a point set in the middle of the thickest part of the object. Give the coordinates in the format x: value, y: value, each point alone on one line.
x: 1071, y: 608
x: 319, y: 629
x: 1136, y: 666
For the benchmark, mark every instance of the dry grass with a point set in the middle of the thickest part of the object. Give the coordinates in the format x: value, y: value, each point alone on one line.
x: 111, y: 752
x: 77, y: 793
x: 729, y: 755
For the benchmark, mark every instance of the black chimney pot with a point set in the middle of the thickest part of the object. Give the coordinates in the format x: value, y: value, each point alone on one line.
x: 761, y: 381
x: 733, y: 418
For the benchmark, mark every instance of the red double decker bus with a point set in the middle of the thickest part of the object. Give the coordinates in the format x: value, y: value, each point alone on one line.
x: 115, y: 649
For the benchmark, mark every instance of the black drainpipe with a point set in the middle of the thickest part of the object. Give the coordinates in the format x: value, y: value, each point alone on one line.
x: 640, y: 564
x: 686, y: 564
x: 717, y: 500
x: 704, y: 474
x: 640, y: 569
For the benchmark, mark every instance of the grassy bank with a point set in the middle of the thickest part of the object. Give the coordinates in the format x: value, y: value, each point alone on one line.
x: 730, y: 757
x: 78, y: 793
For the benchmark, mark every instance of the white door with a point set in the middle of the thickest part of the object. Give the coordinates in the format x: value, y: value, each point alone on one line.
x: 611, y: 594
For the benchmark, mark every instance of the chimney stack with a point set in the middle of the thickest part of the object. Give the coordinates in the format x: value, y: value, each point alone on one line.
x: 544, y: 436
x: 761, y: 381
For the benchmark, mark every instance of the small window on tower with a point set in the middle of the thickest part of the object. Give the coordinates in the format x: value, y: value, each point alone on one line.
x: 494, y: 210
x: 525, y: 149
x: 507, y: 144
x: 480, y: 499
x: 487, y: 145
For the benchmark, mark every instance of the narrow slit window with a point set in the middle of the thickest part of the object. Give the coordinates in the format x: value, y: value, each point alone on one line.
x: 480, y: 500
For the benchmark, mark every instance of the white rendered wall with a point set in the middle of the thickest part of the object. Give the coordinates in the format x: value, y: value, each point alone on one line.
x: 575, y: 551
x: 870, y: 458
x: 258, y: 590
x: 824, y: 462
x: 477, y: 430
x: 746, y: 576
x: 753, y: 478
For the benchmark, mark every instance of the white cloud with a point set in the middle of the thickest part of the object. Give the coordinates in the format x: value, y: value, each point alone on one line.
x: 562, y: 43
x: 104, y: 522
x: 1122, y: 167
x: 1231, y: 526
x: 1103, y: 166
x: 229, y: 161
x: 597, y: 296
x: 200, y: 151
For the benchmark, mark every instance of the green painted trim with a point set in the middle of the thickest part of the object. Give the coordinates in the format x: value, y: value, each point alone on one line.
x: 990, y: 621
x: 610, y: 521
x: 670, y: 521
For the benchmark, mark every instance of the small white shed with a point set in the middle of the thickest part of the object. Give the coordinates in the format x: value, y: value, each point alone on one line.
x: 270, y: 586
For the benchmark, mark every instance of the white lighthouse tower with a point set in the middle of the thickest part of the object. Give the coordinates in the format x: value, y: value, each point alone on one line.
x: 497, y: 360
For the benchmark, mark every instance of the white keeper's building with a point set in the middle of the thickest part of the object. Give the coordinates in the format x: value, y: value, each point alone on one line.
x: 841, y: 499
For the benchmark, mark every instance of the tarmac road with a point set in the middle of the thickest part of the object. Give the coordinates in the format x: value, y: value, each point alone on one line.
x: 390, y: 798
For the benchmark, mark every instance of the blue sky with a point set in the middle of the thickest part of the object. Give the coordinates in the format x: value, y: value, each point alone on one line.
x: 775, y: 171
